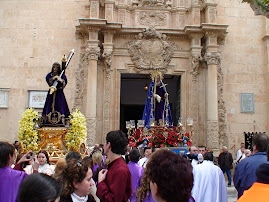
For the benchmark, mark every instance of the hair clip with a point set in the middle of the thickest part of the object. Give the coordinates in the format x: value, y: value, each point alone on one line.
x: 78, y: 163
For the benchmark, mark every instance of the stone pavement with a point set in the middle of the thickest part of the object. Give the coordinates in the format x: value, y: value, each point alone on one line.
x: 232, y: 194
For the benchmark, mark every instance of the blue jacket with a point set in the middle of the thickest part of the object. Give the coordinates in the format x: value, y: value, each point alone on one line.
x: 245, y: 171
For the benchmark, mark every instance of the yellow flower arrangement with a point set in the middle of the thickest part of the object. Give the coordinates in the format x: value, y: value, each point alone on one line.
x: 78, y: 131
x: 27, y: 133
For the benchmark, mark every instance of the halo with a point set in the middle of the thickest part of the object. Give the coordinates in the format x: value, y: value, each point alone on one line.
x: 156, y: 73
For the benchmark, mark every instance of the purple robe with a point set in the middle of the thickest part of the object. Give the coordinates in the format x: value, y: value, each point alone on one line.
x: 136, y: 173
x: 56, y: 100
x: 10, y: 181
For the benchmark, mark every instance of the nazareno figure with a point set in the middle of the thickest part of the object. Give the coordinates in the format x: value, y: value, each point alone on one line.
x: 55, y: 111
x: 157, y: 108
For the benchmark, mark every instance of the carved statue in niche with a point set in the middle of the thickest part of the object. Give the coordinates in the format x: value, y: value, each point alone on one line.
x: 151, y: 50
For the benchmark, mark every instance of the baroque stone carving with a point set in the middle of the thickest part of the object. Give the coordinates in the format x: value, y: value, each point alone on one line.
x: 195, y: 65
x: 212, y: 135
x: 92, y: 53
x: 79, y: 92
x: 212, y: 58
x: 153, y: 3
x: 152, y: 18
x: 222, y: 109
x: 91, y: 130
x: 151, y: 50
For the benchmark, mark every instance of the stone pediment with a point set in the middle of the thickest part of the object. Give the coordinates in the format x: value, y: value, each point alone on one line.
x: 151, y: 50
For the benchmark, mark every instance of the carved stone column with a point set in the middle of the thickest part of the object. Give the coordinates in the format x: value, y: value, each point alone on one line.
x: 195, y: 13
x: 107, y: 55
x: 92, y: 52
x: 94, y: 9
x: 213, y: 60
x: 195, y: 63
x: 109, y: 11
x: 210, y: 12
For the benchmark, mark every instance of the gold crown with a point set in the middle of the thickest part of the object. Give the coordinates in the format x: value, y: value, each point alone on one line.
x: 156, y: 73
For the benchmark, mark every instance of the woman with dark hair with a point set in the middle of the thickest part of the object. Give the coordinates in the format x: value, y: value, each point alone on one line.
x: 77, y: 181
x: 10, y: 179
x: 55, y: 111
x: 44, y: 164
x: 169, y: 177
x: 39, y: 187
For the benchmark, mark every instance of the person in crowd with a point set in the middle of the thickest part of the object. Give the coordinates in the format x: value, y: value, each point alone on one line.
x: 127, y: 153
x: 193, y: 155
x: 10, y: 179
x: 209, y: 182
x: 73, y: 155
x: 244, y: 175
x: 170, y: 177
x: 202, y: 150
x: 39, y: 187
x: 87, y: 160
x: 114, y: 183
x: 240, y: 151
x: 16, y: 144
x: 44, y: 164
x: 225, y: 162
x: 60, y: 166
x: 136, y: 172
x: 143, y: 161
x: 96, y: 160
x: 77, y: 182
x: 200, y: 158
x: 247, y: 153
x: 259, y: 191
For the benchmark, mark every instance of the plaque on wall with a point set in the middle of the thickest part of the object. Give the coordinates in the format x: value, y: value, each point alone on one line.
x: 247, y: 102
x: 4, y: 97
x: 37, y: 98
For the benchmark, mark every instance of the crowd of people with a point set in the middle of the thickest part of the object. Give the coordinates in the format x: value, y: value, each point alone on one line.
x: 116, y: 172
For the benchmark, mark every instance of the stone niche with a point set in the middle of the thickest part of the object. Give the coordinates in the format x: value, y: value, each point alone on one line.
x: 178, y: 37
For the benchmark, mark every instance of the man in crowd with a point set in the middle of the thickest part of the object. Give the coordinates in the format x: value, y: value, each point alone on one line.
x: 209, y: 182
x: 201, y: 150
x: 143, y: 161
x: 225, y: 162
x: 114, y: 184
x: 259, y: 191
x: 244, y: 175
x: 136, y: 172
x: 193, y: 154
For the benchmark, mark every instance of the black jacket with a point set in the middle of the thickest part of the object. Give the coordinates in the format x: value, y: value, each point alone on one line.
x: 225, y: 161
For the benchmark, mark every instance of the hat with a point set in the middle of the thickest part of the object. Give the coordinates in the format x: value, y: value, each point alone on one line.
x: 262, y: 173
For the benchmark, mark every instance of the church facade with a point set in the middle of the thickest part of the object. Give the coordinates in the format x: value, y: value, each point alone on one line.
x: 217, y: 48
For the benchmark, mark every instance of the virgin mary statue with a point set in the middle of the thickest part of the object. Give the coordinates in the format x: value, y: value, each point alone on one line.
x: 157, y: 108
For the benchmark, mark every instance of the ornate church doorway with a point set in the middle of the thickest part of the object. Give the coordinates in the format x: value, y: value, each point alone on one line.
x: 133, y: 96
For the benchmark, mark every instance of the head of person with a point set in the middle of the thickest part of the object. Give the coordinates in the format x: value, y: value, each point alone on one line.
x: 262, y: 173
x: 101, y: 147
x: 43, y: 157
x: 7, y: 154
x: 134, y: 155
x: 147, y: 151
x: 87, y: 160
x: 247, y: 152
x: 193, y: 150
x: 56, y: 68
x: 170, y: 176
x: 201, y: 150
x: 208, y: 156
x: 73, y: 155
x: 39, y: 187
x: 116, y: 142
x: 60, y: 166
x: 77, y: 178
x: 242, y: 145
x: 97, y: 158
x: 224, y: 149
x: 260, y: 142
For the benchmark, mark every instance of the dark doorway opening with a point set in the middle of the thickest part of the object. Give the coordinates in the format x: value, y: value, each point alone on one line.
x: 133, y: 96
